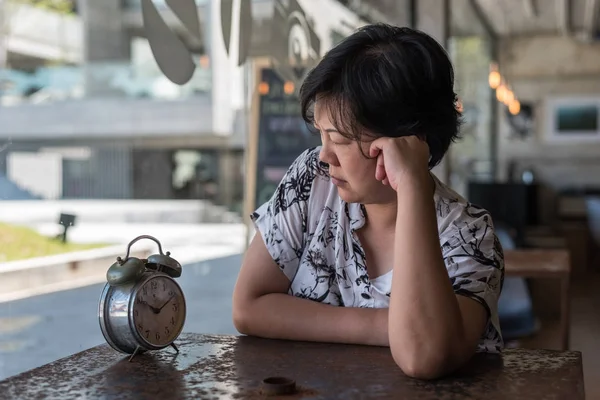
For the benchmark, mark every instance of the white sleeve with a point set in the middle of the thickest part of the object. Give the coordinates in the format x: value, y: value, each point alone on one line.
x: 282, y: 220
x: 475, y: 263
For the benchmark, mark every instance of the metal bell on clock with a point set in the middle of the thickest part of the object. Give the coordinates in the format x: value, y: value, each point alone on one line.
x: 125, y: 271
x: 159, y: 262
x: 130, y: 269
x: 164, y: 263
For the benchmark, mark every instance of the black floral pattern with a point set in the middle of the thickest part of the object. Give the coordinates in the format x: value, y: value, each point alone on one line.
x: 309, y: 231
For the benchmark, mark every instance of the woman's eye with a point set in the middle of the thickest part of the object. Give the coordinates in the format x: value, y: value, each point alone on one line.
x: 341, y: 142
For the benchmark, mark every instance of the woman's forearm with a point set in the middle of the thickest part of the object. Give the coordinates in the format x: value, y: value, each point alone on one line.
x: 281, y: 316
x: 425, y: 323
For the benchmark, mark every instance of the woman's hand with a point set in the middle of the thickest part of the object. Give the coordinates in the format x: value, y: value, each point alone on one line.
x: 399, y: 159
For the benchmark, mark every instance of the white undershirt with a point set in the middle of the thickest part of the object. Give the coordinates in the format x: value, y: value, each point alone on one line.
x: 383, y: 283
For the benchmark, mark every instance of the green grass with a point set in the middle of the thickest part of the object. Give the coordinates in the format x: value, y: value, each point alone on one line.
x: 19, y: 243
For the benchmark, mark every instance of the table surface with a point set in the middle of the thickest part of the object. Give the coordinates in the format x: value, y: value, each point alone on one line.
x: 216, y: 367
x: 541, y: 262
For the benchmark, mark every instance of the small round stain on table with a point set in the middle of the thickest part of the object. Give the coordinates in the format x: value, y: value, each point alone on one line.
x: 278, y: 385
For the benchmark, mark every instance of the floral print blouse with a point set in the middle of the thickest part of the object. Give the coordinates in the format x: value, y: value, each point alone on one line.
x: 309, y: 231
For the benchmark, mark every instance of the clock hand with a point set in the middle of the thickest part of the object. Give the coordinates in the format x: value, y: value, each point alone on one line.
x: 163, y: 306
x: 154, y: 310
x: 167, y: 302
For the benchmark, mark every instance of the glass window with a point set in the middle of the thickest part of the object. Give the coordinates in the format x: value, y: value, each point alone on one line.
x: 139, y: 127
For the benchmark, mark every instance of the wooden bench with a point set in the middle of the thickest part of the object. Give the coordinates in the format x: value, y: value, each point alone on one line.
x: 545, y: 263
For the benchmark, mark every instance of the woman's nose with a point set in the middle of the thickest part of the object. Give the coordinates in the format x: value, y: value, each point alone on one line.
x: 326, y: 155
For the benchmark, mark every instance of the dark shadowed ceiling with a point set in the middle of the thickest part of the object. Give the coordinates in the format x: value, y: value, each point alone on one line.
x: 505, y: 17
x: 528, y: 17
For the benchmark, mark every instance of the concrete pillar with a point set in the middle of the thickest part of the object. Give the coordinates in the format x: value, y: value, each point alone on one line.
x: 3, y: 160
x: 3, y: 30
x: 400, y: 12
x: 433, y: 18
x: 3, y: 64
x: 227, y: 76
x: 106, y: 43
x: 227, y: 174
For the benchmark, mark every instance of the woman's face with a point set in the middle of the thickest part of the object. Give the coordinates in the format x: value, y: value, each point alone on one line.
x: 350, y: 170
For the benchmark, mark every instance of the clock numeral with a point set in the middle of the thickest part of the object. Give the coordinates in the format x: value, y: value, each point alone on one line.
x: 141, y: 327
x: 147, y: 334
x: 167, y: 331
x: 154, y: 285
x: 164, y: 286
x: 136, y: 313
x: 175, y: 307
x: 173, y: 321
x: 171, y: 293
x: 157, y: 336
x: 145, y: 290
x: 139, y: 300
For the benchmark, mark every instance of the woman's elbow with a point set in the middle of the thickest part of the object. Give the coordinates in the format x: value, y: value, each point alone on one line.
x: 420, y: 365
x: 242, y: 319
x: 421, y: 369
x: 240, y: 322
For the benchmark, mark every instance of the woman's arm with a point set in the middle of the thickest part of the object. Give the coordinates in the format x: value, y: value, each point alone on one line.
x: 262, y: 307
x: 261, y: 303
x: 432, y: 330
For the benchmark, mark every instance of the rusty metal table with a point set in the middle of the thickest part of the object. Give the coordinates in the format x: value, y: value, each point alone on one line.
x: 233, y: 367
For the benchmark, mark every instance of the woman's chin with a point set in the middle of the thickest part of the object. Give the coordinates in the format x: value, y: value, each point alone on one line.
x: 348, y: 195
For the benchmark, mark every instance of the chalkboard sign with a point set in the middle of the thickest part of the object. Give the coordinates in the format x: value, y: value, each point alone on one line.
x: 282, y: 133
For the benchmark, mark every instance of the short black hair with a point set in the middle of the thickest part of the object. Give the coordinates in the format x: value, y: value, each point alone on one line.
x: 390, y: 81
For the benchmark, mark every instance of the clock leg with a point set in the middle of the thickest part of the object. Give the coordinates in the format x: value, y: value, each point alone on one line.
x: 175, y: 347
x: 134, y: 353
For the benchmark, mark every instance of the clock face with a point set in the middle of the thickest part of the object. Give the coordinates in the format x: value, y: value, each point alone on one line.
x: 159, y: 310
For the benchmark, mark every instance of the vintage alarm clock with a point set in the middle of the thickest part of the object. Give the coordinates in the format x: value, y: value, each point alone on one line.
x: 141, y: 307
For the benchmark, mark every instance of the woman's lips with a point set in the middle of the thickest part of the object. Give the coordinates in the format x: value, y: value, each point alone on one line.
x: 337, y: 181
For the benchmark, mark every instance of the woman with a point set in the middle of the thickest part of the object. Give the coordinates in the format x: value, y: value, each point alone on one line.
x: 360, y: 242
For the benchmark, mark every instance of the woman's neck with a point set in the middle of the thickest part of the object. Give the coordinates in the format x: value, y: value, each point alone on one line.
x: 381, y: 217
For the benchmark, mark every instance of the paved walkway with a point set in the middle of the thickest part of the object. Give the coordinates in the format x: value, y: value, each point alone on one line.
x: 187, y: 243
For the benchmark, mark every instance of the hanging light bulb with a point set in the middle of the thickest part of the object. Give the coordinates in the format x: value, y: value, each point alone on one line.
x: 509, y: 96
x: 494, y: 78
x: 501, y: 92
x: 263, y: 88
x: 204, y: 61
x: 514, y: 107
x: 459, y: 106
x: 288, y: 87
